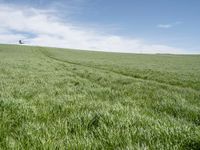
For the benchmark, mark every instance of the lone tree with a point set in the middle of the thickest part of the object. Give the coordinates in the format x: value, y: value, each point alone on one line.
x: 20, y: 42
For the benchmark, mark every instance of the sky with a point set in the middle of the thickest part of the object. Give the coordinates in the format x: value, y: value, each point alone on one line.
x: 133, y: 26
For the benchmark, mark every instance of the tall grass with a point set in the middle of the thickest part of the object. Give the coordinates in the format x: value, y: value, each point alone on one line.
x: 63, y: 99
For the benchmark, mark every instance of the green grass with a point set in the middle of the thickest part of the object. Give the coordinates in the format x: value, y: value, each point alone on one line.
x: 65, y: 99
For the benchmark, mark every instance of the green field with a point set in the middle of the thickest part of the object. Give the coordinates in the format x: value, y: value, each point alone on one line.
x: 68, y: 99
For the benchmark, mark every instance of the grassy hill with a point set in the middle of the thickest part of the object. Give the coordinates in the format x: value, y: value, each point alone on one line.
x: 56, y: 98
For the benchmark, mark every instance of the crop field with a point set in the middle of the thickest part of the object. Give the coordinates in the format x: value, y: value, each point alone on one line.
x: 54, y: 98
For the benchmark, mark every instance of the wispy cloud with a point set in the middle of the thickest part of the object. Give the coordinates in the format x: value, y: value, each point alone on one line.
x: 166, y: 26
x: 170, y: 25
x: 43, y: 27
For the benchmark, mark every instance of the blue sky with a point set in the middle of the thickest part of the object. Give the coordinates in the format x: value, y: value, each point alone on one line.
x: 140, y: 24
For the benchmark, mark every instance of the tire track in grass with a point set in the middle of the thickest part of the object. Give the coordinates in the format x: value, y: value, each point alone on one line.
x: 121, y: 74
x: 88, y: 67
x: 92, y: 81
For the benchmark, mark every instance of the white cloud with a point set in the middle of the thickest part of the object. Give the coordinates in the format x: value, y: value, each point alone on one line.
x: 46, y: 29
x: 166, y: 26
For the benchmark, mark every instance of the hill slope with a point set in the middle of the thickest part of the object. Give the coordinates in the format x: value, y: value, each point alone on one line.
x: 56, y: 98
